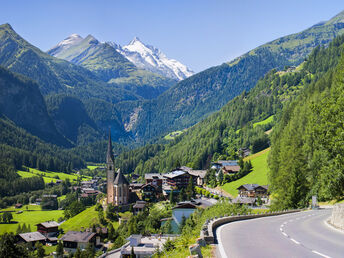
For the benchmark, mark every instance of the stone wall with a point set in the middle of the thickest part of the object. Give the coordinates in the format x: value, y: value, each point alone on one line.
x: 337, y: 218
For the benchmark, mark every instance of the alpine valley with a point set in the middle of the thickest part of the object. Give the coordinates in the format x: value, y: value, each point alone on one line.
x: 113, y: 141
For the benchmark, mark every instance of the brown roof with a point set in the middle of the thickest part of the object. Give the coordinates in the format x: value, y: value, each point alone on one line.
x: 49, y: 224
x: 198, y: 173
x: 234, y: 168
x: 77, y: 236
x: 32, y: 236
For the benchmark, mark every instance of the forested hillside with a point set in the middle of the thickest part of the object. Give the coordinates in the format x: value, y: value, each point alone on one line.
x: 307, y: 145
x: 194, y: 98
x: 22, y: 102
x: 221, y: 135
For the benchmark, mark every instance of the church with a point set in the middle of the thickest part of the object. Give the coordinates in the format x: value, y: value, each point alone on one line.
x: 117, y: 185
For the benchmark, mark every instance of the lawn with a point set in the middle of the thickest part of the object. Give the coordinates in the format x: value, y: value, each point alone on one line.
x: 264, y: 122
x: 49, y: 176
x: 32, y: 216
x: 257, y: 176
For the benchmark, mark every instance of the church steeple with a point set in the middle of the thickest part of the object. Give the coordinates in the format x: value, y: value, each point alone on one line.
x: 110, y: 171
x: 109, y: 155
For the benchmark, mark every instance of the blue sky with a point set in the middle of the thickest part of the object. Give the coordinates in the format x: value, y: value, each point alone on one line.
x: 198, y: 33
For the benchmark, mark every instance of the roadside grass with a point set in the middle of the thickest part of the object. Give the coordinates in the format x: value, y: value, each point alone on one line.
x: 264, y: 122
x: 333, y: 202
x: 84, y: 219
x: 257, y: 176
x: 30, y: 217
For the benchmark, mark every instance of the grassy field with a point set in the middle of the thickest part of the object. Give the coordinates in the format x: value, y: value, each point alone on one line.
x: 92, y: 167
x: 173, y: 135
x: 84, y: 220
x: 49, y: 176
x: 257, y: 176
x: 264, y: 122
x: 32, y: 216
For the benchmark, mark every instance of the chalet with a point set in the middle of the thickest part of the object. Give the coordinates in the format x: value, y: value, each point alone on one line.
x: 222, y: 163
x: 230, y: 169
x: 76, y: 239
x: 18, y: 205
x: 247, y: 190
x: 149, y: 192
x: 250, y: 201
x: 199, y: 175
x: 49, y: 228
x: 31, y: 238
x: 253, y: 190
x: 154, y: 178
x: 135, y: 187
x: 139, y: 206
x: 178, y: 178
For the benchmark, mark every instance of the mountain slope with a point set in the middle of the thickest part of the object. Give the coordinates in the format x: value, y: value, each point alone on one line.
x: 109, y: 65
x: 54, y: 75
x: 196, y: 97
x: 223, y: 133
x: 152, y: 59
x: 22, y: 102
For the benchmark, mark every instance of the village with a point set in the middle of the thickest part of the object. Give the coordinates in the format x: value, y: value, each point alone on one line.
x: 183, y: 189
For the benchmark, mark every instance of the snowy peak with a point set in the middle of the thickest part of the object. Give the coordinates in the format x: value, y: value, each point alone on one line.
x: 68, y: 42
x: 150, y: 58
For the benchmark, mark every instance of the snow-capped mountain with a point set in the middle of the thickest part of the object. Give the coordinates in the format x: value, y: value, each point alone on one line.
x: 68, y: 42
x: 150, y: 58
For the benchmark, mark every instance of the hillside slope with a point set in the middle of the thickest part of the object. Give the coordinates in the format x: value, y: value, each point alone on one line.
x: 22, y: 102
x: 196, y: 97
x: 218, y: 136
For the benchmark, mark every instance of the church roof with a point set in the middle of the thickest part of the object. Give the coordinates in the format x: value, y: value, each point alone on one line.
x: 120, y: 179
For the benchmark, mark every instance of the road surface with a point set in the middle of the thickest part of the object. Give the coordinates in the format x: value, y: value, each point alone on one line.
x: 301, y: 234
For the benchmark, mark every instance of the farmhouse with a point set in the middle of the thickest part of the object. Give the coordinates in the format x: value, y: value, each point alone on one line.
x: 253, y: 190
x: 31, y: 238
x: 49, y: 228
x: 76, y: 239
x: 199, y: 175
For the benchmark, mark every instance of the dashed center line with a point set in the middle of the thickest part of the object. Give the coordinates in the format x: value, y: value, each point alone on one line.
x: 297, y: 242
x: 323, y: 255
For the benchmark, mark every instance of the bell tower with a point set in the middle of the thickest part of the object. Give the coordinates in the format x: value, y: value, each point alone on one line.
x: 110, y: 171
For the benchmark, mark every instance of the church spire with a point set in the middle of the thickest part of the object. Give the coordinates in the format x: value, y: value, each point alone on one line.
x: 109, y: 155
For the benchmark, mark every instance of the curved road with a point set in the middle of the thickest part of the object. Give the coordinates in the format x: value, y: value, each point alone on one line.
x: 301, y: 234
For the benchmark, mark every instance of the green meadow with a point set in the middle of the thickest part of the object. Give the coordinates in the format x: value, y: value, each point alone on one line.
x: 31, y: 215
x: 257, y: 176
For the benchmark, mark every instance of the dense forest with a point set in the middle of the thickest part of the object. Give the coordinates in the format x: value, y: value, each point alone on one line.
x: 307, y: 144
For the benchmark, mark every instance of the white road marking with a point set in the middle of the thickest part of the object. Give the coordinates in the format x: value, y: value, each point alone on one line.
x: 296, y: 242
x: 285, y: 234
x: 221, y: 249
x: 323, y: 255
x: 281, y: 228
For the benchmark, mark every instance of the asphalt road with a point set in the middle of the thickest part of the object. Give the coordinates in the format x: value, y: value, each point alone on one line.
x: 302, y: 234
